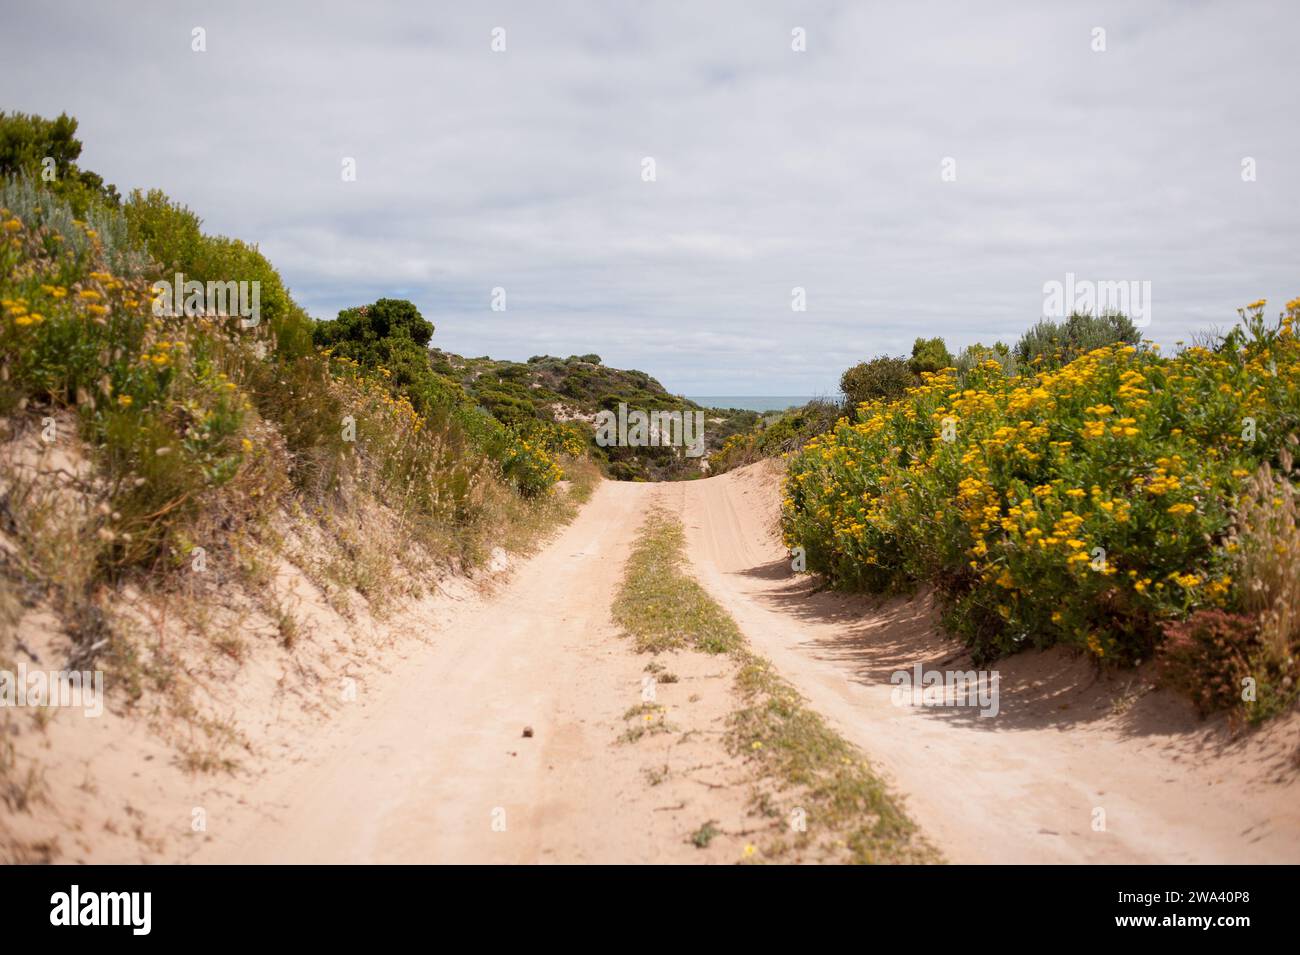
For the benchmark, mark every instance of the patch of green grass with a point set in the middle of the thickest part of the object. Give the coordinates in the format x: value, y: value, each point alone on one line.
x: 806, y: 770
x: 663, y: 609
x: 839, y: 792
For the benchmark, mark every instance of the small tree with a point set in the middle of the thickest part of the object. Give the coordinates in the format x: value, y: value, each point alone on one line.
x: 393, y: 335
x: 388, y: 318
x: 28, y: 141
x: 929, y: 355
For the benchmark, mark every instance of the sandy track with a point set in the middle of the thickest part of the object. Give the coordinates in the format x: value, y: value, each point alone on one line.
x: 416, y: 769
x: 424, y: 764
x: 1022, y: 786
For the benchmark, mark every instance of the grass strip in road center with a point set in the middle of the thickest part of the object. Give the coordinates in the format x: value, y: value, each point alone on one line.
x: 825, y: 801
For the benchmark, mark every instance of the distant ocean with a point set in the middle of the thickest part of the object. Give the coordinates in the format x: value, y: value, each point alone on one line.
x: 751, y: 402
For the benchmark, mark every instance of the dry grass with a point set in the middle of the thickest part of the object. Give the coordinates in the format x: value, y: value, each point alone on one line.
x: 1269, y: 519
x: 1268, y: 535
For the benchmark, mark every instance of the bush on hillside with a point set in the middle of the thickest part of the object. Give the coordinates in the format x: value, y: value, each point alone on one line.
x: 390, y: 338
x: 172, y: 405
x: 369, y: 327
x: 291, y: 387
x: 172, y: 235
x: 154, y: 394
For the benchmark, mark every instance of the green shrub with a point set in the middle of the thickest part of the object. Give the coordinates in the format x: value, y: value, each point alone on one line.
x: 1052, y: 344
x: 173, y: 237
x: 882, y: 377
x: 530, y: 466
x: 390, y: 338
x: 929, y: 355
x: 361, y: 333
x: 973, y: 356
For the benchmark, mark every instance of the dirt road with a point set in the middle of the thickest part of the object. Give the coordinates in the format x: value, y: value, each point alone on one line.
x: 430, y: 764
x: 1066, y: 751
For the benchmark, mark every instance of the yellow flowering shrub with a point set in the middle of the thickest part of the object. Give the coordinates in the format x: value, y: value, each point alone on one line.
x: 534, y: 450
x: 152, y: 391
x: 1082, y: 505
x: 530, y: 465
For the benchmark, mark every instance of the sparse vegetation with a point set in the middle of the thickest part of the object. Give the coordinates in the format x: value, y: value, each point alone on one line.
x: 660, y: 606
x: 707, y: 832
x: 820, y: 774
x: 803, y: 766
x: 645, y: 719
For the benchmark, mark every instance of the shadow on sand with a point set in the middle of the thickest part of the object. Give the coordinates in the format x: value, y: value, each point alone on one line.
x: 871, y: 638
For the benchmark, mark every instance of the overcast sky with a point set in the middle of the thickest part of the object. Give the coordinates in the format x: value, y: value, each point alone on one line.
x: 821, y: 169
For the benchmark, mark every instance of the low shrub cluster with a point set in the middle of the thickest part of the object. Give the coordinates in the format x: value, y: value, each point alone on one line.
x: 153, y: 394
x: 1085, y: 505
x: 1048, y: 344
x: 1052, y: 344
